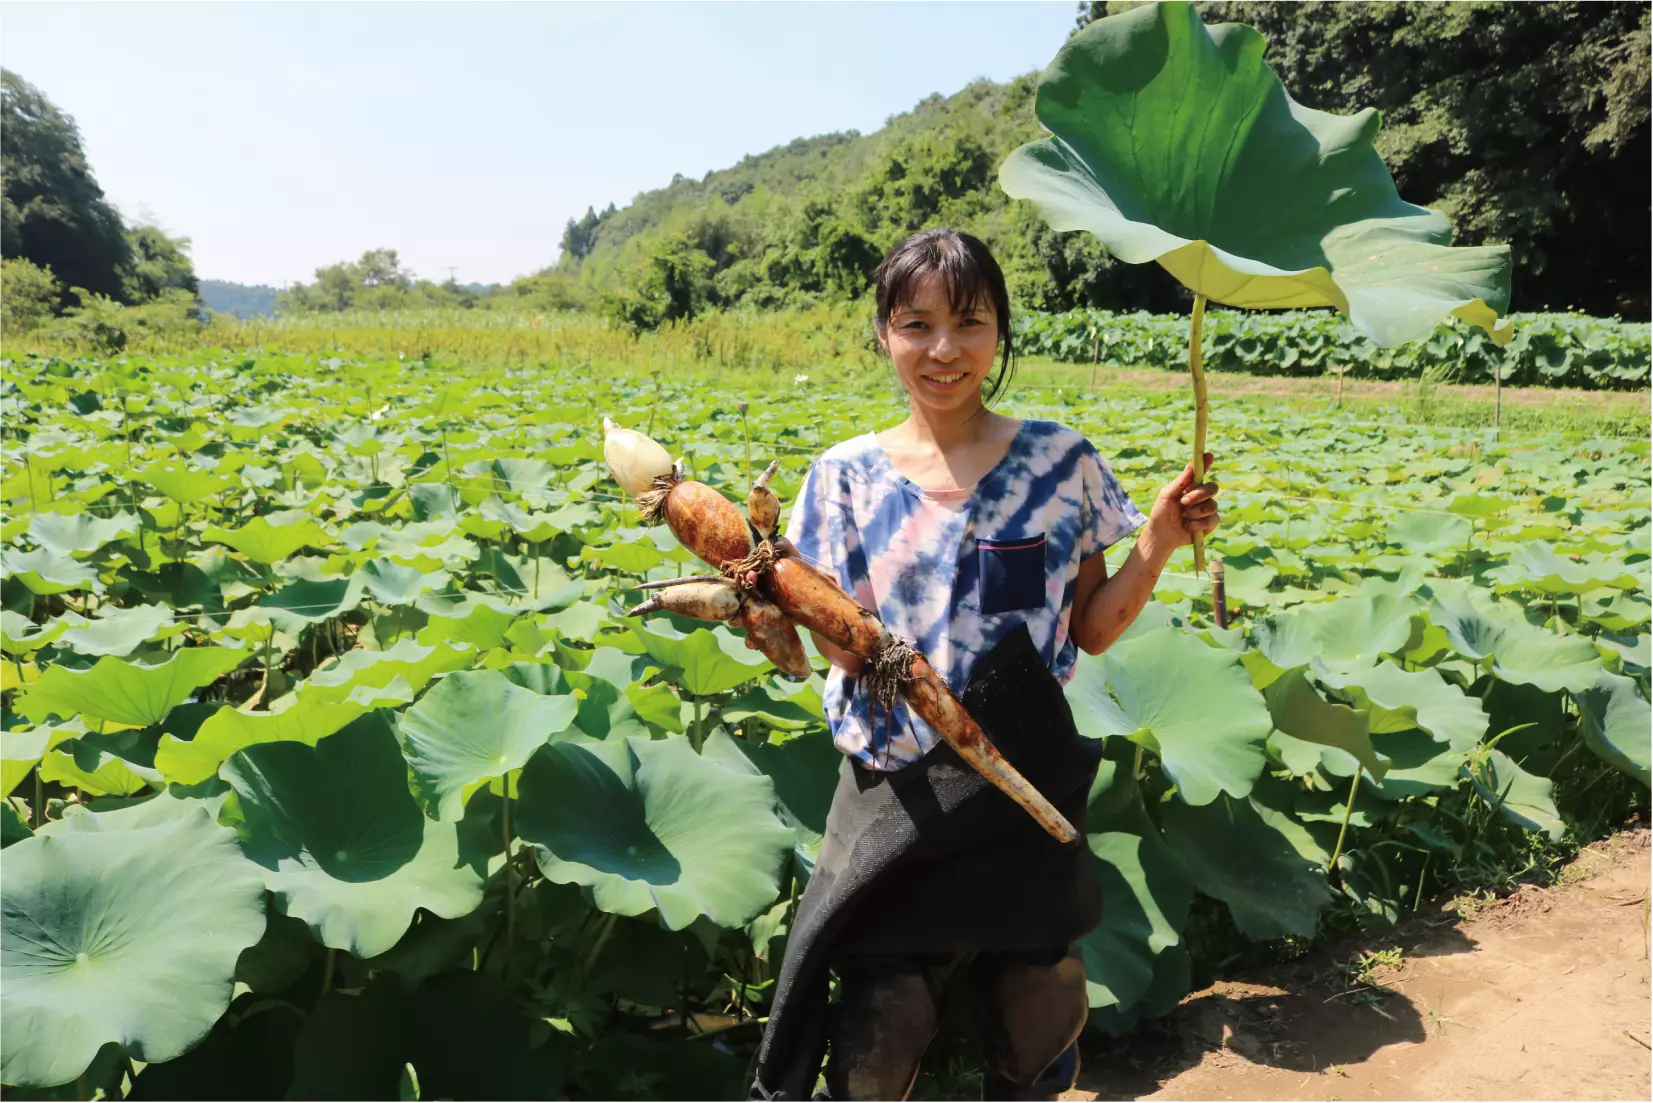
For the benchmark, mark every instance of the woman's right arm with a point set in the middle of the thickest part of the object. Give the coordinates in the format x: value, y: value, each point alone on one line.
x: 847, y: 661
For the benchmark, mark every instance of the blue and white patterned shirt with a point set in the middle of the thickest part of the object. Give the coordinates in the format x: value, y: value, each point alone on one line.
x: 955, y: 571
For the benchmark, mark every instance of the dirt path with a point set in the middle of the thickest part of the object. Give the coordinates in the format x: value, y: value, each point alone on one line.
x: 1541, y: 995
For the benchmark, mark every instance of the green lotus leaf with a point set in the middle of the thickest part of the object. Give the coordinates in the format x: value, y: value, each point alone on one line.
x: 472, y: 620
x: 12, y: 827
x: 306, y: 601
x: 1536, y: 566
x: 272, y: 537
x: 171, y: 805
x: 182, y: 483
x: 46, y: 572
x: 1481, y: 626
x: 1253, y: 858
x: 21, y: 636
x: 777, y: 712
x: 21, y: 749
x: 699, y: 662
x: 1524, y: 799
x: 1351, y: 632
x: 311, y: 714
x: 1614, y: 610
x: 1172, y: 980
x: 658, y: 705
x: 805, y: 771
x: 1301, y: 713
x: 1614, y: 722
x: 649, y: 824
x: 1146, y: 895
x: 413, y: 662
x: 1419, y: 763
x: 1630, y: 655
x: 341, y: 841
x: 394, y: 584
x: 1208, y: 742
x: 120, y: 632
x: 473, y: 726
x: 66, y: 534
x: 1429, y: 533
x: 126, y: 936
x: 119, y: 764
x: 1397, y: 700
x: 1173, y: 141
x: 124, y: 692
x: 633, y: 558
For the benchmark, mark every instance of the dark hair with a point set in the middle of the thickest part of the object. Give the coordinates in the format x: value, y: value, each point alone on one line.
x: 968, y: 273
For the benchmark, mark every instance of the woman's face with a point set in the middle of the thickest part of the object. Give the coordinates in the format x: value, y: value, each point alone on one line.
x: 942, y: 358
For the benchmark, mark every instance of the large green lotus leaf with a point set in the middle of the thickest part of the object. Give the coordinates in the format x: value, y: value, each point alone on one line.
x: 1480, y: 626
x: 473, y: 726
x: 1524, y: 799
x: 311, y: 714
x: 1208, y: 742
x: 305, y: 601
x: 1397, y: 700
x: 22, y: 748
x: 123, y: 692
x: 1535, y: 566
x: 127, y: 936
x: 805, y: 771
x: 1419, y: 763
x: 1255, y: 859
x: 119, y: 764
x: 1146, y: 895
x: 473, y: 620
x: 66, y: 534
x: 21, y: 636
x: 46, y: 572
x: 183, y: 483
x: 342, y: 843
x: 1301, y: 713
x: 273, y: 537
x: 394, y: 584
x: 1347, y: 633
x: 1429, y: 533
x: 120, y: 632
x: 407, y: 659
x: 700, y: 664
x: 650, y: 824
x: 1173, y: 141
x: 1614, y: 722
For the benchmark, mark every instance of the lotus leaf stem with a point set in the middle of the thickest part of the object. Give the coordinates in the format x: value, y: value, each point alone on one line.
x: 1197, y: 370
x: 602, y: 940
x: 1348, y: 810
x: 510, y: 884
x: 327, y: 972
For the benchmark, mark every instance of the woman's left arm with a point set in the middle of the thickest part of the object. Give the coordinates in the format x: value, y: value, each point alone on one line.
x: 1104, y: 605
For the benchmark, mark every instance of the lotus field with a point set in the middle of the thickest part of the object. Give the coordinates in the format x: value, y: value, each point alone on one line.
x: 335, y: 768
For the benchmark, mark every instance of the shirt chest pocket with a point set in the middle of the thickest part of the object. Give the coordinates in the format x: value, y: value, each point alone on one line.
x: 1012, y: 573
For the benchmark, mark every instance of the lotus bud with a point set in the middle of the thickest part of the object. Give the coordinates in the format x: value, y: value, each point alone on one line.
x: 634, y: 459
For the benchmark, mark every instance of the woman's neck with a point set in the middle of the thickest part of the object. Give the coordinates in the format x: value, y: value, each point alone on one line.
x: 946, y: 429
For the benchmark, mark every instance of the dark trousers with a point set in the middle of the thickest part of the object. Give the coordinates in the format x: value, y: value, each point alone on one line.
x: 886, y: 1014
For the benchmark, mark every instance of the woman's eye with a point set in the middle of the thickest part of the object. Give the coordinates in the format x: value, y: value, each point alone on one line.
x: 912, y: 325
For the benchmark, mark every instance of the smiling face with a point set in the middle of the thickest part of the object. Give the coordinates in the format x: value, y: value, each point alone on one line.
x: 942, y: 356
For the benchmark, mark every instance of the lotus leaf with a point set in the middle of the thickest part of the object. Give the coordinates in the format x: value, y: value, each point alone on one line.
x: 1209, y: 743
x: 127, y: 936
x: 341, y: 841
x: 699, y: 662
x: 1482, y: 627
x: 1397, y: 700
x: 46, y: 572
x: 68, y: 534
x: 1301, y: 713
x: 272, y: 538
x: 1172, y: 141
x: 1615, y: 723
x: 1253, y: 858
x: 122, y: 692
x: 649, y: 824
x: 1524, y: 799
x: 474, y: 726
x: 1347, y: 633
x: 120, y: 632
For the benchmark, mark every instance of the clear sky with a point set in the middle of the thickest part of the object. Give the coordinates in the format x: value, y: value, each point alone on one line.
x: 280, y: 137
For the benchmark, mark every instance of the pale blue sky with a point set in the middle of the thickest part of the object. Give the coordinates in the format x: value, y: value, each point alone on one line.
x: 284, y: 136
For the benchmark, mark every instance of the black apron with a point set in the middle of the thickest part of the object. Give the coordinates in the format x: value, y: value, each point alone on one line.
x: 931, y: 858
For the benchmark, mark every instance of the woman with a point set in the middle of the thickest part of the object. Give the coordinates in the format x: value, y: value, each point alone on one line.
x: 978, y: 537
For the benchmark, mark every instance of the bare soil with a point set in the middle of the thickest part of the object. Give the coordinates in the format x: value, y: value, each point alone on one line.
x: 1542, y: 994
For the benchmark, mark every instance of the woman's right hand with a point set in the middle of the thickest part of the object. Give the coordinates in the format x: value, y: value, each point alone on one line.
x: 847, y: 661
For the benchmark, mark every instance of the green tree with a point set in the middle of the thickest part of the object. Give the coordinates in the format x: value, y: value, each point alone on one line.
x: 52, y: 211
x: 156, y: 264
x: 28, y: 296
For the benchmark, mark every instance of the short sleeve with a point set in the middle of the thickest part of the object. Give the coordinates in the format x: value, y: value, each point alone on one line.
x: 815, y: 526
x: 1109, y: 513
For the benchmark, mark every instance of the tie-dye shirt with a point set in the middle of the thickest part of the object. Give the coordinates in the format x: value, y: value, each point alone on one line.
x: 955, y: 571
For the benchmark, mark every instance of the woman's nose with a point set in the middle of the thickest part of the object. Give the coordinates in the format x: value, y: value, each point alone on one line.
x: 945, y: 348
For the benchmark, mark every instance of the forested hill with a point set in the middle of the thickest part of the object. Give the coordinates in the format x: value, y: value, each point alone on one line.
x: 240, y: 299
x: 1526, y: 123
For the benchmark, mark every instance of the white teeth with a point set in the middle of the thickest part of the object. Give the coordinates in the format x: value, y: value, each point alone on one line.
x: 947, y: 378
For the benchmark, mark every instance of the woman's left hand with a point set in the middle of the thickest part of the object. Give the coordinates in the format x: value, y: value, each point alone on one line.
x: 1181, y: 510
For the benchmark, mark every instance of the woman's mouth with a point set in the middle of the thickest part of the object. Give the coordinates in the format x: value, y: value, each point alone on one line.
x: 946, y: 380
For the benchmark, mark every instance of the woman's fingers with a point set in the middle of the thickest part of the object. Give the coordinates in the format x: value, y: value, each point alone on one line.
x: 1201, y: 493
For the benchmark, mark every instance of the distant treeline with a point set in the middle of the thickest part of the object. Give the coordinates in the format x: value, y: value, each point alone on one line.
x: 239, y: 299
x: 1526, y: 123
